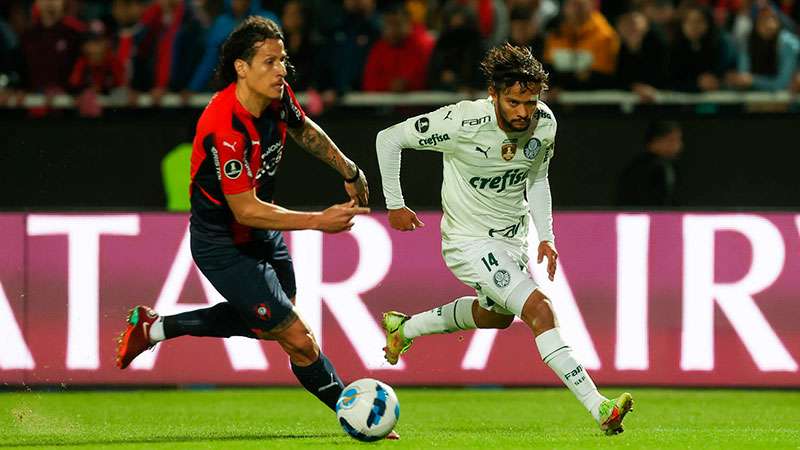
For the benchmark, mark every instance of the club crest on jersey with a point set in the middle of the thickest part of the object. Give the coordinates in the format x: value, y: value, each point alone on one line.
x: 422, y: 124
x: 263, y: 312
x: 532, y: 148
x: 508, y: 150
x: 233, y: 169
x: 502, y: 278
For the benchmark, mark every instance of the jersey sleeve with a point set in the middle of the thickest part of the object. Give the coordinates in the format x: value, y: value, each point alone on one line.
x: 233, y: 172
x: 292, y: 111
x: 544, y: 167
x: 437, y: 130
x: 549, y: 148
x: 540, y: 200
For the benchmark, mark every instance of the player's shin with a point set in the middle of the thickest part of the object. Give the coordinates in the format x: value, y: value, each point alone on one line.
x: 220, y: 320
x: 558, y: 356
x: 454, y: 316
x: 320, y: 378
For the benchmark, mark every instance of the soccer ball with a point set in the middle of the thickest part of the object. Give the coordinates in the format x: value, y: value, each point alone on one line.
x: 368, y: 409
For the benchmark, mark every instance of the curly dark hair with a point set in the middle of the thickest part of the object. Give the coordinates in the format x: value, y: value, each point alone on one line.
x: 242, y: 44
x: 506, y: 65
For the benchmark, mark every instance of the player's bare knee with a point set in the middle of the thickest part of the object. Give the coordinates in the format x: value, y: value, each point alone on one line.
x: 308, y: 349
x: 302, y: 350
x: 299, y: 343
x: 538, y: 313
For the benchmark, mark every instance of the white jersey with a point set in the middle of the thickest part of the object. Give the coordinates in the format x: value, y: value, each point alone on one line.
x: 486, y: 169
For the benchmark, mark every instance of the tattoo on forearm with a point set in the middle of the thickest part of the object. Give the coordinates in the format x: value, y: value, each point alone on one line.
x: 315, y: 141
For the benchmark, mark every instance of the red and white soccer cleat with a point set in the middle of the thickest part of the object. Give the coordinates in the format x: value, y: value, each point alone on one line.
x: 136, y: 338
x: 392, y: 436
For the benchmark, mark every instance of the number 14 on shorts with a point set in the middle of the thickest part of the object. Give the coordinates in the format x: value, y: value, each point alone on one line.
x: 489, y: 261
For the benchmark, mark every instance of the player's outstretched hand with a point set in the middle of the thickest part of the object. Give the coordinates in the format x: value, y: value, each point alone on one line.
x: 359, y: 189
x: 339, y: 217
x: 546, y: 248
x: 404, y: 219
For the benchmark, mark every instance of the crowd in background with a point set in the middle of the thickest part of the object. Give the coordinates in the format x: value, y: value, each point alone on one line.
x: 336, y: 46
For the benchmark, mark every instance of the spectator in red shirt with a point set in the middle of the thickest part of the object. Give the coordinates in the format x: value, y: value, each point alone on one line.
x: 127, y: 15
x: 97, y: 68
x: 50, y: 48
x: 97, y: 71
x: 399, y: 60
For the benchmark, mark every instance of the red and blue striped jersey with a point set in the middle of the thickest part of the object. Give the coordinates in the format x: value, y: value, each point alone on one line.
x: 233, y: 152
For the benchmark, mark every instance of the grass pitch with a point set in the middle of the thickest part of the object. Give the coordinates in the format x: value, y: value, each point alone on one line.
x: 429, y: 419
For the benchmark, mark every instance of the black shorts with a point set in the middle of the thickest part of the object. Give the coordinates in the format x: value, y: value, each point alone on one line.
x: 257, y: 278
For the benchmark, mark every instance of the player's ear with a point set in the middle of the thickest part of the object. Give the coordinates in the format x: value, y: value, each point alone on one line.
x: 495, y: 94
x: 241, y: 67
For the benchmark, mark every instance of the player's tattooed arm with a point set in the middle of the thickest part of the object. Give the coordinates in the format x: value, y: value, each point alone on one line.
x: 315, y: 141
x: 312, y: 138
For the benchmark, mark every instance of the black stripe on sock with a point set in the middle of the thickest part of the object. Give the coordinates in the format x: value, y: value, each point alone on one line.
x: 551, y: 353
x: 455, y: 320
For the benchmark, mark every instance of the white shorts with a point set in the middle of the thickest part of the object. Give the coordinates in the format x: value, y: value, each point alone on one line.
x: 498, y: 270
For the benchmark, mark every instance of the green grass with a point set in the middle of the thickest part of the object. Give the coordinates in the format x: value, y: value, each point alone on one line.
x: 430, y: 419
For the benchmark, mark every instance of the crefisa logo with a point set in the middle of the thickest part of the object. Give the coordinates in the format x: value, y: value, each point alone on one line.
x: 434, y: 139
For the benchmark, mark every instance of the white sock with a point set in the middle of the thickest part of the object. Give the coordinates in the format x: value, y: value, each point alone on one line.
x: 157, y: 331
x: 558, y: 355
x: 454, y: 316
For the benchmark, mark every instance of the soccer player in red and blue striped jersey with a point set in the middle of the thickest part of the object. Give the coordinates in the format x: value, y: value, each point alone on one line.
x: 235, y: 228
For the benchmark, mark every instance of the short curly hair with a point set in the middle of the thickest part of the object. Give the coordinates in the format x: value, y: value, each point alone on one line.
x: 506, y: 65
x: 241, y: 44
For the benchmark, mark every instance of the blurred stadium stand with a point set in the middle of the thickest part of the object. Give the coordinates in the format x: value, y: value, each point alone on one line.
x: 780, y: 101
x: 739, y: 149
x: 726, y: 71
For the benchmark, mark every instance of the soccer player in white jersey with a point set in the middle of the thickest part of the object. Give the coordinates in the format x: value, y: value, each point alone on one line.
x: 494, y: 150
